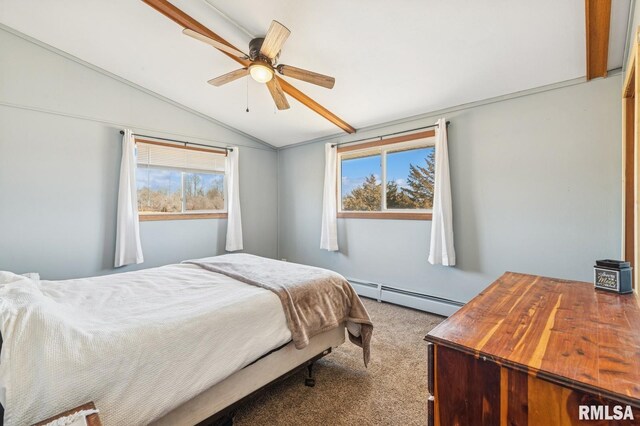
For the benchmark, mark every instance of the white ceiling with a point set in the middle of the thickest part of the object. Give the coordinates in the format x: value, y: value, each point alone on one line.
x: 391, y: 59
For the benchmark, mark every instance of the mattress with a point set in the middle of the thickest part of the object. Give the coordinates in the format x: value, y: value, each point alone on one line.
x: 138, y: 344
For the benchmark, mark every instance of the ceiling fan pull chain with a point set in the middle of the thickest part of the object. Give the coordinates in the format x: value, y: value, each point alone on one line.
x: 247, y: 94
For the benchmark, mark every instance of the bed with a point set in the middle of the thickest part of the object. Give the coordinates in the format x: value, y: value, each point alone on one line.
x: 173, y: 345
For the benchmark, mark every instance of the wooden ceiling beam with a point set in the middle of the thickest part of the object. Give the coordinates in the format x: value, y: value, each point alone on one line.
x: 186, y: 21
x: 598, y: 21
x: 296, y: 94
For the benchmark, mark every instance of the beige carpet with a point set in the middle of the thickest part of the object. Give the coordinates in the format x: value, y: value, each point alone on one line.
x: 392, y: 391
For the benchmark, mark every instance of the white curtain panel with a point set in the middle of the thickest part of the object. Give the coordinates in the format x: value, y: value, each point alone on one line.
x: 329, y: 233
x: 128, y: 246
x: 234, y: 220
x: 441, y: 251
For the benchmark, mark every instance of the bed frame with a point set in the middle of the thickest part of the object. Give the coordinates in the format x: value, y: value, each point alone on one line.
x: 218, y: 404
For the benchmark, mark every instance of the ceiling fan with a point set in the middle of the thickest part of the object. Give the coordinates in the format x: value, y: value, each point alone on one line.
x: 263, y: 56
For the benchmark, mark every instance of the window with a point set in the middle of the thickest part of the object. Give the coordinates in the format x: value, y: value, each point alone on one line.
x: 387, y: 179
x: 176, y: 182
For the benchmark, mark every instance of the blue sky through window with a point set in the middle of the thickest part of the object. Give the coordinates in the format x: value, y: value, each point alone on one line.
x: 398, y: 164
x: 171, y: 180
x: 355, y: 170
x: 158, y: 179
x: 209, y: 180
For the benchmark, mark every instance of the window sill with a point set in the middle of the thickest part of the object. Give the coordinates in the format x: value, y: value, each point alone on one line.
x: 385, y: 215
x: 149, y: 217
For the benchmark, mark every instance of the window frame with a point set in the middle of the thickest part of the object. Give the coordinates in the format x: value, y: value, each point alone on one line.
x: 184, y: 214
x: 382, y: 147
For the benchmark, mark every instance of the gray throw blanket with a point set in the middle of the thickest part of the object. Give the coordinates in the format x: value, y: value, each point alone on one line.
x: 314, y: 299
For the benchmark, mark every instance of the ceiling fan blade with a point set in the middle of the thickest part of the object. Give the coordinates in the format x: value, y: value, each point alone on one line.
x: 275, y: 38
x: 308, y: 76
x: 277, y: 94
x: 228, y: 77
x: 214, y: 43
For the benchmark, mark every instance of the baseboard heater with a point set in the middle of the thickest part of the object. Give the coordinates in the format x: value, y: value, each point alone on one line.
x: 411, y: 299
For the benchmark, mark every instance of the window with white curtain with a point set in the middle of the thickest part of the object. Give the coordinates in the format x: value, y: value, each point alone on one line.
x: 383, y: 177
x: 174, y: 180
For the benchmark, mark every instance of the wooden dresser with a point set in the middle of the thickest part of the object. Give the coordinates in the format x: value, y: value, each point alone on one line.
x: 531, y: 350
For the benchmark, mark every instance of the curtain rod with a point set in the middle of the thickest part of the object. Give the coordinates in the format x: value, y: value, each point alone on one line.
x: 175, y: 140
x: 388, y: 134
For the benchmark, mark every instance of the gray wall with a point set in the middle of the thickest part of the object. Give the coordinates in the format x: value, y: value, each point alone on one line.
x: 536, y: 189
x: 60, y: 160
x: 633, y: 27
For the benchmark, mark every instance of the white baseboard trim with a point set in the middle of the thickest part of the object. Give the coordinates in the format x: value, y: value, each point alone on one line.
x: 410, y: 299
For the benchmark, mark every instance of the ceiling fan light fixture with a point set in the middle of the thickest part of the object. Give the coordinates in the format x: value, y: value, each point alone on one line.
x: 260, y: 72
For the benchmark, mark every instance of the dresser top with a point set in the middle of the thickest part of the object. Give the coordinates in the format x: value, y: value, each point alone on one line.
x: 564, y: 331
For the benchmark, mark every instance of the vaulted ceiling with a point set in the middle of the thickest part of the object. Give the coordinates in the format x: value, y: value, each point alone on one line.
x: 391, y: 59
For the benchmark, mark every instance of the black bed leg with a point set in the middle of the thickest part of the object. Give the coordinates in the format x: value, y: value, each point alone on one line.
x: 310, y: 381
x: 226, y: 420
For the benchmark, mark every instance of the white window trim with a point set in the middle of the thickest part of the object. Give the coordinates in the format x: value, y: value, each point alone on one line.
x: 382, y: 151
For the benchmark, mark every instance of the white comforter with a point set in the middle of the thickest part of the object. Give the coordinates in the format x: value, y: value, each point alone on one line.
x: 138, y: 344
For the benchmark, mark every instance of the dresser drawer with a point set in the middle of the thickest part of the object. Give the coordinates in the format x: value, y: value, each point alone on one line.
x: 473, y: 390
